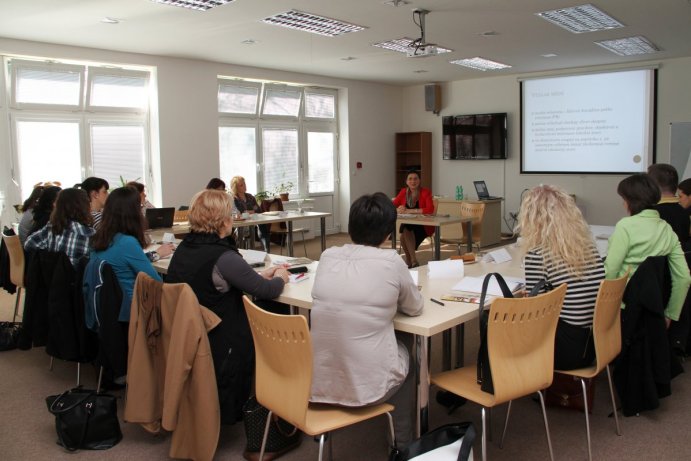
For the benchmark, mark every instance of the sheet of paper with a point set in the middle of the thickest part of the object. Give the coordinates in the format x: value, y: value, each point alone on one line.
x: 414, y: 275
x: 499, y: 256
x: 474, y: 285
x: 168, y: 237
x: 253, y: 256
x: 449, y: 268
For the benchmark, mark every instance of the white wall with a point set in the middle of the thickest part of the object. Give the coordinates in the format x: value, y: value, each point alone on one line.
x: 595, y: 194
x: 188, y: 123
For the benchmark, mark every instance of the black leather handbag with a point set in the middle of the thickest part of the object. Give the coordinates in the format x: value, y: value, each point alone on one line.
x: 9, y: 335
x: 282, y: 437
x: 85, y: 419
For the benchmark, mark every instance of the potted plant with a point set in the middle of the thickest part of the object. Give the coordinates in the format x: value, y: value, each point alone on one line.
x: 283, y: 190
x: 261, y: 196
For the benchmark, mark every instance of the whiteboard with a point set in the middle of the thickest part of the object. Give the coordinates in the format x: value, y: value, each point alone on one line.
x: 680, y: 148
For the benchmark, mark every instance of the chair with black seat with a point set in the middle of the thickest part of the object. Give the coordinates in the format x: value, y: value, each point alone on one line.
x: 520, y: 342
x: 17, y: 263
x: 283, y: 350
x: 607, y: 341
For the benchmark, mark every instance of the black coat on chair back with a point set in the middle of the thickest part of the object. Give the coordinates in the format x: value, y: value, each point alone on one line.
x: 643, y: 371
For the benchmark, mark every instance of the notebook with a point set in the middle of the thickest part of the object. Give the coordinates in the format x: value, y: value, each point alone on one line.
x: 482, y: 192
x: 160, y: 217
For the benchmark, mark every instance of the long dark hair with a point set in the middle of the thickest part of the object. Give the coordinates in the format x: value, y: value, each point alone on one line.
x: 44, y: 207
x: 32, y: 201
x: 121, y: 214
x: 71, y: 205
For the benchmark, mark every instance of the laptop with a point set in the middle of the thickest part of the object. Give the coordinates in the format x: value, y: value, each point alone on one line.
x: 482, y: 192
x: 160, y: 217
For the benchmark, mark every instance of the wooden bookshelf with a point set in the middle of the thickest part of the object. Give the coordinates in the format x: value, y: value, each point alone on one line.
x: 413, y: 151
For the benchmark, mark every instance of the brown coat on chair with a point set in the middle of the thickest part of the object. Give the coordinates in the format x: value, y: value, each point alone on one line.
x: 169, y: 359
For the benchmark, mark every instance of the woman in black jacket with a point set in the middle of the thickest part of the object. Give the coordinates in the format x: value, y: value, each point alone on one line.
x: 208, y: 260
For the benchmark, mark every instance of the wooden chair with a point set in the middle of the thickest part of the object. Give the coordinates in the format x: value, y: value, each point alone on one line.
x: 520, y: 340
x: 607, y: 340
x: 180, y: 215
x: 16, y: 254
x: 280, y: 228
x: 450, y: 233
x: 283, y: 380
x: 473, y: 210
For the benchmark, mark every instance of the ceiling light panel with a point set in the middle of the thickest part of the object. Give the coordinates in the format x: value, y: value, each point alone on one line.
x: 403, y: 45
x: 580, y: 19
x: 629, y: 46
x: 479, y: 63
x: 201, y: 5
x: 308, y: 22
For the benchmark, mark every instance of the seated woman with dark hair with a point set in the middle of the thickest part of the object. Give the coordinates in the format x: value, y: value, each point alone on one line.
x: 120, y: 242
x: 208, y: 260
x: 358, y: 289
x: 97, y: 190
x: 644, y: 234
x: 69, y: 228
x: 44, y: 207
x: 216, y: 184
x: 26, y: 221
x: 141, y: 188
x: 414, y: 199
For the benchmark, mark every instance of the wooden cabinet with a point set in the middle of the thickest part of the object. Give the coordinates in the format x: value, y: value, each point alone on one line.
x: 413, y: 152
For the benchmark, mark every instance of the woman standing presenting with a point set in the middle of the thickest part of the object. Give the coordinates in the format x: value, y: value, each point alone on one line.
x: 414, y: 199
x: 560, y: 249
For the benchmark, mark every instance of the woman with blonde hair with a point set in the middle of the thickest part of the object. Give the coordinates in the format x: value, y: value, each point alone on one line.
x: 247, y: 203
x: 559, y: 248
x: 208, y: 260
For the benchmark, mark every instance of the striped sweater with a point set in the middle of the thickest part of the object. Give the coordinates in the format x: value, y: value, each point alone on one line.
x: 579, y: 303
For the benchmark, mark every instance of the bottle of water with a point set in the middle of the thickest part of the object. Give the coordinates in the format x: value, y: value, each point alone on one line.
x: 459, y: 192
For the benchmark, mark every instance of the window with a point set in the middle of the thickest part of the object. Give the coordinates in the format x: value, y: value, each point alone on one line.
x: 72, y: 121
x: 273, y: 134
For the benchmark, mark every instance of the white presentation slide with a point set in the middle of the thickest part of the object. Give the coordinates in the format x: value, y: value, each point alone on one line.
x: 590, y: 123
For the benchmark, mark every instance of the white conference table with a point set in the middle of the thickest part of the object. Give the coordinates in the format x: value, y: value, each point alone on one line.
x: 436, y: 222
x: 434, y: 319
x: 261, y: 218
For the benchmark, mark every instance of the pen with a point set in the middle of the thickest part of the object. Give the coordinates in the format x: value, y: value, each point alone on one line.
x: 436, y: 301
x: 300, y: 276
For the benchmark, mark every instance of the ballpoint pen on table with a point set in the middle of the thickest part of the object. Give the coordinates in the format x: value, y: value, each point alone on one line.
x: 436, y: 301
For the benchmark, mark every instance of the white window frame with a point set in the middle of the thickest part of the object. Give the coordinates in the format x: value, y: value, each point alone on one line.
x: 83, y: 114
x: 17, y: 64
x: 241, y: 83
x: 301, y: 123
x: 116, y: 72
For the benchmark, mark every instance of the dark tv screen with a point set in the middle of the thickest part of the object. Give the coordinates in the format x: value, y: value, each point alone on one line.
x: 474, y: 137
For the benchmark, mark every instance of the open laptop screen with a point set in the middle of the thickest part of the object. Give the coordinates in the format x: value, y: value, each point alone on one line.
x: 481, y: 189
x: 160, y: 217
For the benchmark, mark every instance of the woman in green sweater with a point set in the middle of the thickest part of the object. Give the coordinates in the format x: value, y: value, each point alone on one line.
x: 644, y: 234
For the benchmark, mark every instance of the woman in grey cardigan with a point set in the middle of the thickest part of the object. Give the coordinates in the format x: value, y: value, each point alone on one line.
x: 358, y: 289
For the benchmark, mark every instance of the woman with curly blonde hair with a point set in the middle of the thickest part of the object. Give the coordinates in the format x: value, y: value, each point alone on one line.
x: 559, y: 248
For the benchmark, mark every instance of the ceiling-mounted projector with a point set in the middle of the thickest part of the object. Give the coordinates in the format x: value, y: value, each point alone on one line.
x: 421, y: 51
x: 418, y: 48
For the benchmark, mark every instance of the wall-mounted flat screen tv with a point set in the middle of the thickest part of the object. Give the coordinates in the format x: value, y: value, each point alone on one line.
x: 474, y: 137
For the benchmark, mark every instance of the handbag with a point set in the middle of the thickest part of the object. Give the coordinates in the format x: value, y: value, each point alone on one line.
x: 566, y: 392
x: 9, y: 335
x: 85, y: 419
x: 484, y: 372
x: 282, y: 436
x: 451, y: 442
